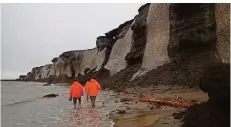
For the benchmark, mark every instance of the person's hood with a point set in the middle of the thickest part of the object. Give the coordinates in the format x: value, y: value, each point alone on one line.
x: 76, y: 83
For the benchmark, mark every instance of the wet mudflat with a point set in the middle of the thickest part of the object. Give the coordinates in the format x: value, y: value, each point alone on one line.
x: 23, y: 106
x: 146, y: 114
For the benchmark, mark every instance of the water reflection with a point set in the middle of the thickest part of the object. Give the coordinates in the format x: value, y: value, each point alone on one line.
x: 52, y: 112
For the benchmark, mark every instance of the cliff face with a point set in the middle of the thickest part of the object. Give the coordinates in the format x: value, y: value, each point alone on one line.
x: 121, y: 47
x: 158, y: 33
x: 178, y: 53
x: 216, y: 79
x: 222, y: 13
x: 164, y: 43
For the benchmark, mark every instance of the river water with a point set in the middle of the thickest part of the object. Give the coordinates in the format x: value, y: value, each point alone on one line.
x: 23, y: 106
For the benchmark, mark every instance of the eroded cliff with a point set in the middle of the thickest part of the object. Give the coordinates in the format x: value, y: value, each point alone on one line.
x: 170, y: 44
x: 163, y: 44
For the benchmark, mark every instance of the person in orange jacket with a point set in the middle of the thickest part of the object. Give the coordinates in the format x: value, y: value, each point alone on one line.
x: 76, y: 91
x: 94, y: 87
x: 87, y: 89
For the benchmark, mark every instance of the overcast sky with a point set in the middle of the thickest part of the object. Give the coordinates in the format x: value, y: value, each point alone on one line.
x: 33, y: 34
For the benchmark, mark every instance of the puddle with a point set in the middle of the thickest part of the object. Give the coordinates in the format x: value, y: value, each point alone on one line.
x: 196, y: 95
x: 141, y: 119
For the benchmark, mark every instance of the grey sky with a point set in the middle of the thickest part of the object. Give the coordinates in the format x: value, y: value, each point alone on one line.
x: 33, y: 34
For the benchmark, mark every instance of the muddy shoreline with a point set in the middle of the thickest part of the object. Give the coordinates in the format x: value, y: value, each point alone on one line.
x: 124, y: 108
x: 131, y: 112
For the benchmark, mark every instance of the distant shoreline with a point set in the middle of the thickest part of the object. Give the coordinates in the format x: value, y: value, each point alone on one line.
x: 9, y: 80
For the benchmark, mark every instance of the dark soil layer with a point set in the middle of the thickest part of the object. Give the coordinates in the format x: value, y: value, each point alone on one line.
x: 139, y: 29
x: 185, y: 70
x: 120, y: 80
x: 86, y: 77
x: 216, y: 81
x: 100, y: 75
x: 207, y: 115
x: 215, y: 112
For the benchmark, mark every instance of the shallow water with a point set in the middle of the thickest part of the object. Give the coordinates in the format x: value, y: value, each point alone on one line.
x: 142, y: 118
x: 140, y: 121
x: 23, y: 106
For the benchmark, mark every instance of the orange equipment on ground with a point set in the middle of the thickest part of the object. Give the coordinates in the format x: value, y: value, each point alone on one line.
x: 173, y: 103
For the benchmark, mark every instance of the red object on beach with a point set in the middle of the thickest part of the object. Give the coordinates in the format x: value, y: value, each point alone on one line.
x: 185, y: 104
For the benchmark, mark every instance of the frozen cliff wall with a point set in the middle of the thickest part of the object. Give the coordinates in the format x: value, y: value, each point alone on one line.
x: 163, y: 44
x: 120, y: 49
x: 104, y: 45
x: 158, y: 33
x: 134, y: 53
x: 139, y: 29
x: 43, y: 72
x: 68, y: 65
x: 180, y: 42
x: 76, y: 63
x: 216, y: 80
x: 83, y: 60
x: 179, y: 52
x: 222, y: 13
x: 157, y: 38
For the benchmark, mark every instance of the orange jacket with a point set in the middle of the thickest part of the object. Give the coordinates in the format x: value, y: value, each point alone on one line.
x: 94, y: 87
x: 76, y: 90
x: 87, y: 87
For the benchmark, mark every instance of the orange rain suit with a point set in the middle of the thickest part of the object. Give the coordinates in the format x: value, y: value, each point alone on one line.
x: 76, y: 90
